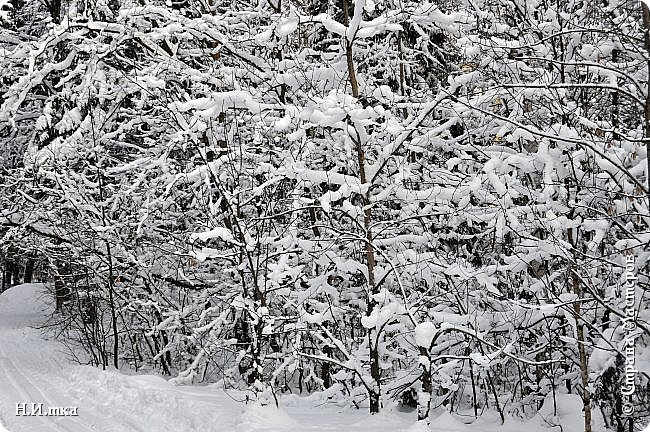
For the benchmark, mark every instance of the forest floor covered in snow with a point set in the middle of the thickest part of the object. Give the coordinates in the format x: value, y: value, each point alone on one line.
x: 36, y: 370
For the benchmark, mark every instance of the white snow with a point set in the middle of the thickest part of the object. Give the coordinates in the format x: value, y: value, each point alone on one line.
x: 424, y: 333
x: 287, y: 26
x: 219, y: 232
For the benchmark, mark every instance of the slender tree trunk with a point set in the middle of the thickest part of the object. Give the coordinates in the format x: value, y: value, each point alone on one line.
x: 7, y: 274
x: 472, y: 378
x: 373, y: 336
x: 424, y: 398
x: 580, y: 335
x: 29, y: 269
x: 61, y: 290
x: 111, y: 279
x: 15, y: 277
x: 326, y: 368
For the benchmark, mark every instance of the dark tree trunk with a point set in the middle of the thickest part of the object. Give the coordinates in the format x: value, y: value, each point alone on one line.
x: 29, y: 270
x: 16, y: 273
x: 424, y: 398
x: 326, y: 368
x: 7, y: 275
x: 54, y: 6
x: 61, y: 290
x: 373, y: 333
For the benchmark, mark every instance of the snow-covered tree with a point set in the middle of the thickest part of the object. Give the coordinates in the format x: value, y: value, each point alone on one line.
x: 363, y: 200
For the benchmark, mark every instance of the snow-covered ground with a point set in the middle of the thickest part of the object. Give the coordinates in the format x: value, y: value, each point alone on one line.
x: 35, y: 370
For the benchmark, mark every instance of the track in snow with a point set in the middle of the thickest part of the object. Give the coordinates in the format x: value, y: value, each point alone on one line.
x: 34, y: 370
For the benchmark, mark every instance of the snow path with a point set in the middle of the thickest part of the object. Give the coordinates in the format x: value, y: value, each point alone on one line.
x: 34, y: 370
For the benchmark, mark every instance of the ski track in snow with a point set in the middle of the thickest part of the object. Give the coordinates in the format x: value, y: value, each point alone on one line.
x: 34, y: 370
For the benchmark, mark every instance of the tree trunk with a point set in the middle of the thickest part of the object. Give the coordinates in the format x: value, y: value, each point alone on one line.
x: 61, y: 290
x: 15, y: 277
x: 326, y: 368
x: 373, y: 336
x: 424, y: 398
x: 580, y: 335
x: 29, y: 270
x: 6, y: 274
x: 111, y: 277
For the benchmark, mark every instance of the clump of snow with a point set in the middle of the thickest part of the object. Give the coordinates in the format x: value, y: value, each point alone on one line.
x: 218, y: 232
x: 283, y: 123
x: 287, y: 26
x: 424, y: 333
x: 383, y: 93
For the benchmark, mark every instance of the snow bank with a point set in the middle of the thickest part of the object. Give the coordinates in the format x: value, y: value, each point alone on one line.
x: 23, y: 305
x: 145, y: 402
x: 267, y: 418
x: 567, y: 412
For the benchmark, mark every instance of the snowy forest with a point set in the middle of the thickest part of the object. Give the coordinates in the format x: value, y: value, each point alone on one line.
x: 440, y: 206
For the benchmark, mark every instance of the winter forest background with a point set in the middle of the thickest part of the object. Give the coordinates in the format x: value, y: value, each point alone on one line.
x: 371, y: 201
